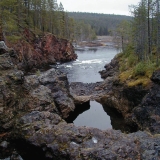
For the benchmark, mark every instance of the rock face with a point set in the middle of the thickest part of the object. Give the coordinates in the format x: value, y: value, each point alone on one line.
x: 138, y: 105
x: 147, y: 114
x: 42, y: 51
x: 3, y: 47
x: 111, y: 69
x: 59, y: 140
x: 33, y: 109
x: 111, y: 93
x: 47, y: 91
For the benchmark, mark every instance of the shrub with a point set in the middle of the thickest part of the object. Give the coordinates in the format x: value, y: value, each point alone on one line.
x: 140, y: 69
x: 122, y: 67
x: 150, y: 68
x: 38, y: 73
x: 119, y: 55
x: 132, y: 60
x: 13, y: 38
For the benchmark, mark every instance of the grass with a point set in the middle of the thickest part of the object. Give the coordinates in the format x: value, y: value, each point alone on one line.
x: 144, y: 81
x: 38, y: 72
x: 13, y: 38
x: 134, y: 72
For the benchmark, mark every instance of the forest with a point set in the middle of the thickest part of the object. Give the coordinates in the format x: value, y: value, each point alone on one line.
x: 40, y: 16
x: 140, y: 40
x: 103, y: 24
x: 141, y: 32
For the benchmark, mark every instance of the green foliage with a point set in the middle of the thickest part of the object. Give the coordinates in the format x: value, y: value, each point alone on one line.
x: 38, y: 72
x: 13, y: 38
x: 101, y: 23
x: 17, y: 16
x: 122, y: 67
x: 141, y: 55
x: 139, y: 69
x: 132, y: 60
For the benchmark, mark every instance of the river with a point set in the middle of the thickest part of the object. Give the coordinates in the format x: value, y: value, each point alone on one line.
x: 90, y: 61
x: 86, y: 69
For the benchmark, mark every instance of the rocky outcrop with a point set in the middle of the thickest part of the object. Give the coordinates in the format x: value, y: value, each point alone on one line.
x: 147, y: 114
x: 56, y: 139
x: 43, y: 50
x: 111, y: 93
x: 33, y: 110
x: 45, y: 92
x: 3, y: 47
x: 19, y: 95
x: 138, y: 105
x: 111, y: 69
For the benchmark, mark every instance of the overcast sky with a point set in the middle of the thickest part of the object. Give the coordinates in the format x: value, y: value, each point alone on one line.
x: 99, y: 6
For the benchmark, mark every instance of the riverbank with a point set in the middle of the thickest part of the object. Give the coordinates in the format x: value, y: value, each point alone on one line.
x: 34, y: 108
x: 100, y: 41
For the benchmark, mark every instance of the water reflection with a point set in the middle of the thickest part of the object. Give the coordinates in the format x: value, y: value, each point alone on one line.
x: 95, y: 115
x: 90, y: 115
x: 78, y: 110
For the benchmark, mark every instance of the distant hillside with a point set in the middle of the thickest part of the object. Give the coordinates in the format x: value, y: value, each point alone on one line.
x: 102, y: 23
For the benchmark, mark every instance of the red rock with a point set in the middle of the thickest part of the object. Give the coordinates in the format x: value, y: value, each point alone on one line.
x: 44, y: 51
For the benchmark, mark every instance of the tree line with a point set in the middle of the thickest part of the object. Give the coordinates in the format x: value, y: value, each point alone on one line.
x: 103, y: 24
x: 40, y: 16
x: 143, y: 32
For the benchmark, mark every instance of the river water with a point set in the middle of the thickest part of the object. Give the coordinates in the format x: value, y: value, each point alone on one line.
x: 86, y: 69
x: 90, y: 61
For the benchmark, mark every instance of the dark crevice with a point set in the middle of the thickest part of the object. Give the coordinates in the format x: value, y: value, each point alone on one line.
x: 117, y: 120
x: 79, y: 109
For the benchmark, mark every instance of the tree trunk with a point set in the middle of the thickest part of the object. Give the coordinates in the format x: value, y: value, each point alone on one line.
x: 149, y: 32
x: 1, y: 30
x: 158, y: 30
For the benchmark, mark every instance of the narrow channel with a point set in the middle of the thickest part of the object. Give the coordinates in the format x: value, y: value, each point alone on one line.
x: 88, y: 64
x: 86, y: 69
x: 94, y: 117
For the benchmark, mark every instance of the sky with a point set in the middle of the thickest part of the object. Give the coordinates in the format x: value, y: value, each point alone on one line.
x: 120, y: 7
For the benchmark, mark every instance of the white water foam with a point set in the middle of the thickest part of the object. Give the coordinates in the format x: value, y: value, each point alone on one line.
x: 92, y: 61
x: 68, y: 66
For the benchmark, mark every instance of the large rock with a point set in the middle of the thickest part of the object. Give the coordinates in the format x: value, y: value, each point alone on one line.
x: 6, y: 62
x: 58, y: 140
x: 33, y: 110
x: 118, y: 95
x: 48, y: 91
x: 147, y: 114
x: 3, y: 47
x: 111, y: 69
x: 138, y: 105
x: 51, y: 86
x: 42, y: 51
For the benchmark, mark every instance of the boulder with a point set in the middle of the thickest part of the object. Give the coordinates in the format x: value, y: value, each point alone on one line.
x: 3, y: 47
x: 6, y: 62
x: 58, y: 140
x: 156, y: 77
x: 51, y: 87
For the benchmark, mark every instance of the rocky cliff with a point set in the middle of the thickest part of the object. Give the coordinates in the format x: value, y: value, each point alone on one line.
x: 33, y: 109
x: 38, y: 51
x: 139, y: 105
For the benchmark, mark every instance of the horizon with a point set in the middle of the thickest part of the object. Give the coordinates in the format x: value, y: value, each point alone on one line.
x: 98, y: 13
x: 113, y: 7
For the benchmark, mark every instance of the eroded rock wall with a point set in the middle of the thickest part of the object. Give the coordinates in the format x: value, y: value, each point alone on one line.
x: 138, y: 104
x: 33, y: 109
x: 42, y: 51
